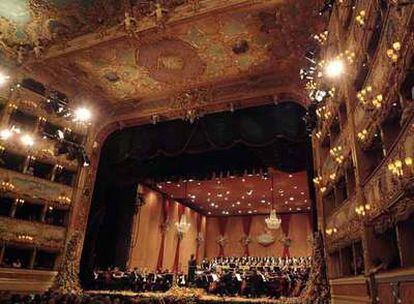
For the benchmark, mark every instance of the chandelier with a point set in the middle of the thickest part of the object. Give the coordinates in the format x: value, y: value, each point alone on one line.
x: 182, y: 225
x: 273, y: 221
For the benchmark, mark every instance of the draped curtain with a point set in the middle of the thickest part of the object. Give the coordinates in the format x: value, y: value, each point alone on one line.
x: 285, y: 229
x: 222, y: 225
x: 163, y: 230
x: 247, y: 224
x: 248, y: 138
x: 181, y: 210
x: 199, y: 222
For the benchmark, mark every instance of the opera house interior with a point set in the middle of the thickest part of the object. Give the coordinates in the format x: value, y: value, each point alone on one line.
x: 207, y: 151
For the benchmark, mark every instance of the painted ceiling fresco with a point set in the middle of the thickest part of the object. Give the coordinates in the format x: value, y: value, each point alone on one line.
x: 206, y: 50
x: 26, y: 21
x: 28, y: 27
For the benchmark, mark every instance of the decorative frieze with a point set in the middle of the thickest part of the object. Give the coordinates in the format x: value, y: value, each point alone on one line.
x: 29, y: 186
x: 35, y: 234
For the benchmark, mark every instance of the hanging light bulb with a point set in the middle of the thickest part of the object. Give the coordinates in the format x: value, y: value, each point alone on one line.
x: 82, y: 115
x: 27, y: 140
x: 334, y: 68
x: 3, y: 78
x: 5, y: 134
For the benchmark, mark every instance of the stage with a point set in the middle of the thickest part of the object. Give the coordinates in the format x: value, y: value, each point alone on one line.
x: 187, y: 295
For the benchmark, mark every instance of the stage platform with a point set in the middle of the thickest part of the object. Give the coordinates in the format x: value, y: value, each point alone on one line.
x: 186, y: 295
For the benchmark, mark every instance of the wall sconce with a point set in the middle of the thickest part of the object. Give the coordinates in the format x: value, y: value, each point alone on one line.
x: 364, y: 94
x: 362, y: 135
x: 396, y: 167
x: 336, y: 153
x: 331, y: 231
x: 362, y: 210
x: 360, y: 18
x: 393, y: 52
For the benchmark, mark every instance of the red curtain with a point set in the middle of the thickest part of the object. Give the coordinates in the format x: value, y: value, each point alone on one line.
x: 222, y: 225
x: 199, y: 221
x: 285, y: 229
x: 181, y: 209
x: 247, y: 224
x: 164, y: 218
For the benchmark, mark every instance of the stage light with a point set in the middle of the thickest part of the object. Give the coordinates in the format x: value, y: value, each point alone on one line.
x: 3, y: 78
x: 82, y: 115
x: 334, y: 68
x: 5, y: 134
x: 27, y: 140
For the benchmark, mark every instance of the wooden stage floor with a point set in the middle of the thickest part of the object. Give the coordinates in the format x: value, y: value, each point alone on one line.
x: 188, y: 296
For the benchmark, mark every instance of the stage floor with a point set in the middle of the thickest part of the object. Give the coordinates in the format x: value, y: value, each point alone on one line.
x: 198, y: 296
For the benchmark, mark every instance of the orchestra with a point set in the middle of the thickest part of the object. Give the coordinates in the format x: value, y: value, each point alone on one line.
x: 272, y: 277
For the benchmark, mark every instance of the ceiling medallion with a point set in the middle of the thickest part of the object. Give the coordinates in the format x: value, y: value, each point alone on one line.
x: 190, y: 102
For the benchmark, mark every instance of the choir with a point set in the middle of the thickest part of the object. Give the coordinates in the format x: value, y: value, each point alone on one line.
x: 227, y: 276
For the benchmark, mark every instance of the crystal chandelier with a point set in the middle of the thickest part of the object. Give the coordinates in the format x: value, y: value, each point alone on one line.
x: 273, y: 221
x: 182, y: 225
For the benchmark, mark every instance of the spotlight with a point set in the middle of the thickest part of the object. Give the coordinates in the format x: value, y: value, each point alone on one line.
x: 5, y: 134
x: 27, y: 140
x: 334, y: 68
x: 3, y: 78
x: 82, y: 115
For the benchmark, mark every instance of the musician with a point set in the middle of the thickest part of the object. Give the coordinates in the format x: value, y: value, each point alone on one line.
x: 192, y: 267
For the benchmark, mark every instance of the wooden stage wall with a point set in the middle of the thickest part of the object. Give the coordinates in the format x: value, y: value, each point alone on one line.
x: 144, y: 253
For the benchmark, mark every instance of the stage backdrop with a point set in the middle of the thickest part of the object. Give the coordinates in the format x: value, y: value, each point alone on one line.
x: 147, y: 239
x: 299, y: 231
x: 145, y: 251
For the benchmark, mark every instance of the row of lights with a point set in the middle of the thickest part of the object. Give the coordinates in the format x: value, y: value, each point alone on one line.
x: 81, y: 114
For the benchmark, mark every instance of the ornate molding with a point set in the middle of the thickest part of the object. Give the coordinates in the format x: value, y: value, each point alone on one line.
x: 36, y: 234
x: 36, y: 188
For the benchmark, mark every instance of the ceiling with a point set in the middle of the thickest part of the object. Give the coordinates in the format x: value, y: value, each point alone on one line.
x: 227, y: 46
x: 243, y: 195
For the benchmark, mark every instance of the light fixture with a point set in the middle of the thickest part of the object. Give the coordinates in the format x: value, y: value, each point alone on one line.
x: 334, y: 68
x: 5, y: 134
x: 27, y: 140
x: 82, y: 115
x: 273, y: 221
x: 182, y: 225
x: 3, y: 78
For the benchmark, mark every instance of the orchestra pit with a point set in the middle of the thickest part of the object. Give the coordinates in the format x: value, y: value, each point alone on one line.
x: 206, y: 151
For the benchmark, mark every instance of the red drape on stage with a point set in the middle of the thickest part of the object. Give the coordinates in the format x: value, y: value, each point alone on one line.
x: 247, y: 224
x: 222, y: 225
x: 285, y: 229
x: 164, y: 218
x: 181, y: 209
x: 199, y: 221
